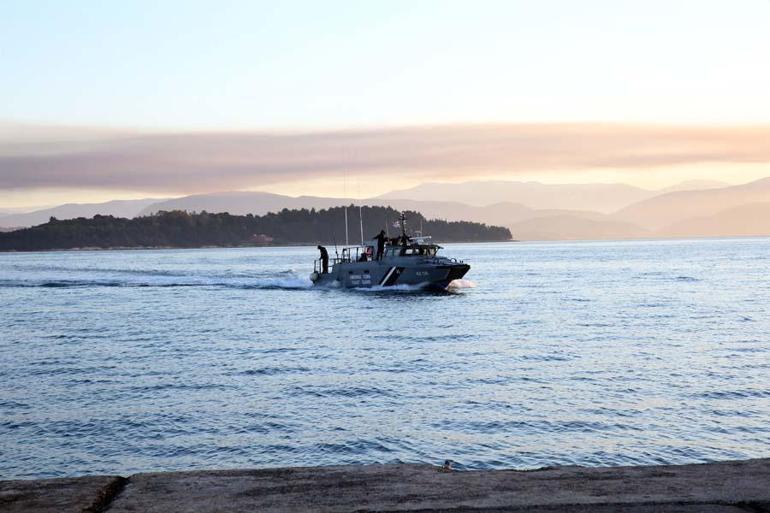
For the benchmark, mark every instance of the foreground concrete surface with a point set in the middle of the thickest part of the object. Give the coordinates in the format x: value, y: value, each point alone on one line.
x: 81, y: 494
x: 741, y: 486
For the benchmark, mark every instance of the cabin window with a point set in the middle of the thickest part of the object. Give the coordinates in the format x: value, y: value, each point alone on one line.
x: 411, y: 251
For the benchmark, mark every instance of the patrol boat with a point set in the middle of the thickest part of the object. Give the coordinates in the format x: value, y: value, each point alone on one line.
x: 405, y: 261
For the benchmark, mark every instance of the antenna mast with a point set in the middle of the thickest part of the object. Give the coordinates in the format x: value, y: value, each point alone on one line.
x: 361, y: 220
x: 402, y: 222
x: 347, y: 243
x: 345, y: 193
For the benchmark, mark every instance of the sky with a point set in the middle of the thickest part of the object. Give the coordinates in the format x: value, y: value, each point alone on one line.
x: 77, y: 76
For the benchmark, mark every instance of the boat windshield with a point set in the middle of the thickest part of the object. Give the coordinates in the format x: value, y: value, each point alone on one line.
x: 423, y: 250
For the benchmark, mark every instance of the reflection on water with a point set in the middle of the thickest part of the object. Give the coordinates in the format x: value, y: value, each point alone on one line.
x: 547, y: 354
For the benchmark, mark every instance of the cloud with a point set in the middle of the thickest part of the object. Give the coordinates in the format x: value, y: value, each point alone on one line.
x: 199, y: 162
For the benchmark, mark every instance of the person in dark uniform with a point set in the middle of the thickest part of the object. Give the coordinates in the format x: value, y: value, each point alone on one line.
x: 380, y: 238
x: 324, y: 259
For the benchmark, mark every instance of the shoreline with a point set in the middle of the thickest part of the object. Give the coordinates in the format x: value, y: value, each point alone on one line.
x: 721, y: 487
x: 159, y: 248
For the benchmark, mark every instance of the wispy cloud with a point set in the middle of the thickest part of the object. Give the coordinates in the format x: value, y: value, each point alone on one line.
x: 199, y: 162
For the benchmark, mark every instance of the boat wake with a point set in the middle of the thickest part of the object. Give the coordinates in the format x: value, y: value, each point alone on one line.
x: 295, y: 283
x: 275, y: 281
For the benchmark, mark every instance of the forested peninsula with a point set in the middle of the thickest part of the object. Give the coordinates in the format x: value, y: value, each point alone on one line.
x: 180, y: 229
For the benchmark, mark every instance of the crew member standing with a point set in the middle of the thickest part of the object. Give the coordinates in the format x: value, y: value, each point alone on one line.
x: 380, y: 238
x: 324, y: 259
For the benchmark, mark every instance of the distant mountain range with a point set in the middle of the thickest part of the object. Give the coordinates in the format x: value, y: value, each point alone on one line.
x: 533, y: 211
x: 8, y: 211
x: 674, y: 207
x: 600, y: 197
x: 745, y: 220
x: 241, y: 202
x: 117, y: 208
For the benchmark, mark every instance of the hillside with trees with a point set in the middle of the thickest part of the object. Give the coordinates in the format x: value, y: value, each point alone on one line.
x: 180, y: 229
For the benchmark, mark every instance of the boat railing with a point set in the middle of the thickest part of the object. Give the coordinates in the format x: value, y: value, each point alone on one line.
x: 356, y: 254
x: 352, y: 254
x: 318, y: 263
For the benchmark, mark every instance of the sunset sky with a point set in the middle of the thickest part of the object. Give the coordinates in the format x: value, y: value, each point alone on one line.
x: 104, y: 100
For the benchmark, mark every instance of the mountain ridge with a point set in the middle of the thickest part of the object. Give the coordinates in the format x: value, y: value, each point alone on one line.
x: 657, y: 216
x: 602, y: 197
x: 746, y: 220
x: 119, y: 208
x: 660, y: 211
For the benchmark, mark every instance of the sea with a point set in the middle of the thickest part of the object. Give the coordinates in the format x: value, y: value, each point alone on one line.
x: 570, y: 353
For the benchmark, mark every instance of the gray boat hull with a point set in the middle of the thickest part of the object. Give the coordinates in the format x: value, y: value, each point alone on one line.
x: 436, y: 274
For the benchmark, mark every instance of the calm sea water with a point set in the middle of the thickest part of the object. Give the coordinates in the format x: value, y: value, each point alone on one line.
x: 551, y: 354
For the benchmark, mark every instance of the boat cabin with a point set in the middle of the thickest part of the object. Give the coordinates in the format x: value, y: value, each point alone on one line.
x: 422, y: 250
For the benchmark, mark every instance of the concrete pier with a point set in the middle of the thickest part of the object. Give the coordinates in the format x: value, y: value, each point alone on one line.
x: 736, y: 487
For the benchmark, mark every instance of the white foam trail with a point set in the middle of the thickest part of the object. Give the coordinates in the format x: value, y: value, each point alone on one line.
x: 462, y: 284
x: 283, y: 283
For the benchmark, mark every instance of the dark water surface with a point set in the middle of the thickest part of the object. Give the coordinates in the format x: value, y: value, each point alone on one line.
x: 573, y: 353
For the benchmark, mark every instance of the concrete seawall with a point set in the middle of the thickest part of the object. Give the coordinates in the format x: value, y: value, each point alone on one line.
x: 739, y: 486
